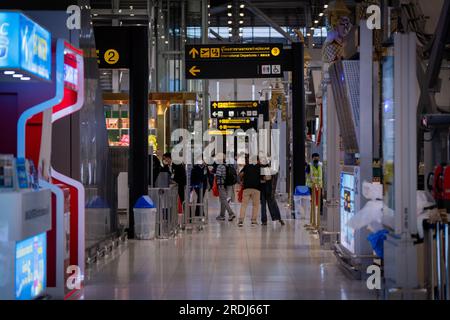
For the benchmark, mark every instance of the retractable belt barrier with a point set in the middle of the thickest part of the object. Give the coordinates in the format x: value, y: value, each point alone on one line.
x: 196, y: 208
x: 166, y: 202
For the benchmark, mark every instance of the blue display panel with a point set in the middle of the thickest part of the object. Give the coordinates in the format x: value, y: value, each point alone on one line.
x: 24, y: 45
x: 388, y: 133
x: 347, y: 210
x: 30, y: 267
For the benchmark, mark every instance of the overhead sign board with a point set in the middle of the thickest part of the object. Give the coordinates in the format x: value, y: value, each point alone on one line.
x: 234, y: 115
x: 113, y: 47
x: 234, y: 61
x: 238, y: 109
x: 24, y: 46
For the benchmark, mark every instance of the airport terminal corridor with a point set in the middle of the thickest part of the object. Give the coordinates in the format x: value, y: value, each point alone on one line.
x: 225, y: 150
x: 225, y: 262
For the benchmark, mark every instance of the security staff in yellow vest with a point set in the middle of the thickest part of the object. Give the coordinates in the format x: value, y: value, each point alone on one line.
x: 315, y: 183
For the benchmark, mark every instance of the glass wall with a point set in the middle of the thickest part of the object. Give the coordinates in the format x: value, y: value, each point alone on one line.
x: 95, y: 170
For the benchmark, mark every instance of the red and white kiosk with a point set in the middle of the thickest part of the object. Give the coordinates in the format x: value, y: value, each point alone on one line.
x: 41, y: 219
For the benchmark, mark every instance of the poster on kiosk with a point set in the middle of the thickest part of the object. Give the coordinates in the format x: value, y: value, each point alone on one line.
x: 41, y: 82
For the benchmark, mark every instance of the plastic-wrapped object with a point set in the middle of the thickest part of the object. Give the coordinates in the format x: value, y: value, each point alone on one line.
x: 302, y: 201
x: 370, y: 214
x: 144, y: 218
x: 372, y: 191
x: 376, y: 239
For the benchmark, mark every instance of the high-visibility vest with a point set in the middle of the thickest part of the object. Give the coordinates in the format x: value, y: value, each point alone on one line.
x: 316, y: 175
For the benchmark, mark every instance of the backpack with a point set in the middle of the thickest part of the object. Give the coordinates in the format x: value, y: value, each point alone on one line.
x: 231, y: 176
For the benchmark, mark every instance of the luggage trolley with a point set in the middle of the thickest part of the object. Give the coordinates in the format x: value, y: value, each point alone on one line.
x: 193, y: 201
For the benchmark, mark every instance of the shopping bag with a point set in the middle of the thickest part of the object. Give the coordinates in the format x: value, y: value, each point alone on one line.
x: 241, y: 193
x: 215, y: 188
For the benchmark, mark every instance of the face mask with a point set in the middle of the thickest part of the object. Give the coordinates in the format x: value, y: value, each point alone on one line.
x: 316, y: 163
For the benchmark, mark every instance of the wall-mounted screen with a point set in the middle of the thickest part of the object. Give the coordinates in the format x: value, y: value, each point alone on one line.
x: 30, y: 267
x: 347, y: 209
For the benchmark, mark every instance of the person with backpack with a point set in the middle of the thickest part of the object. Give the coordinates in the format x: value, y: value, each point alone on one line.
x: 221, y: 175
x: 230, y: 181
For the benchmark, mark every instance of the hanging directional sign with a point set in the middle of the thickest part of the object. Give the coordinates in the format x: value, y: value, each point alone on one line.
x: 239, y: 109
x: 234, y: 115
x: 235, y: 124
x: 234, y: 61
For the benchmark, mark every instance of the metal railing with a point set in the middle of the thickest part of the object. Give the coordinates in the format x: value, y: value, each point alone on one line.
x: 166, y: 202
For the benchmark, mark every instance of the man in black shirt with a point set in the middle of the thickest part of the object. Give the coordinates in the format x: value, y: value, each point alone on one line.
x: 250, y: 175
x: 178, y: 173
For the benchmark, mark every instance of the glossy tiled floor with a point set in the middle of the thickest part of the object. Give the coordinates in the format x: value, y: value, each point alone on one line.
x: 225, y: 262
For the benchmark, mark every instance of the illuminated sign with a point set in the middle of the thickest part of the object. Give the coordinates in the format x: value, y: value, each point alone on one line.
x: 230, y: 61
x: 347, y: 210
x: 71, y: 77
x: 30, y: 267
x: 238, y: 109
x: 24, y: 45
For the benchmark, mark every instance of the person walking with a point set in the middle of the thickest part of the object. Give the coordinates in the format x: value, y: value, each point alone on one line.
x: 230, y: 181
x: 199, y: 183
x: 250, y: 176
x: 221, y: 174
x: 268, y: 187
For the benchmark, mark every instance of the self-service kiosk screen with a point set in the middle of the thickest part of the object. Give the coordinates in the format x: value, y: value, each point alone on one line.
x: 347, y: 210
x: 30, y: 267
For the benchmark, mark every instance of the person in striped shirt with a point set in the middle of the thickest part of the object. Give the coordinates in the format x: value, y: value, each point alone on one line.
x: 221, y: 174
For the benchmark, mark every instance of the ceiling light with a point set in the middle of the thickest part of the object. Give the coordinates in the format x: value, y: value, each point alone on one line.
x: 209, y: 6
x: 316, y: 21
x: 321, y: 14
x: 308, y: 34
x: 230, y: 29
x: 241, y: 14
x: 229, y: 6
x: 131, y: 14
x: 242, y: 6
x: 241, y: 21
x: 120, y: 10
x: 312, y: 28
x: 166, y: 42
x: 325, y: 6
x: 230, y: 14
x: 25, y: 78
x: 9, y: 72
x: 230, y: 22
x: 131, y: 7
x: 162, y: 37
x: 240, y: 34
x: 18, y: 75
